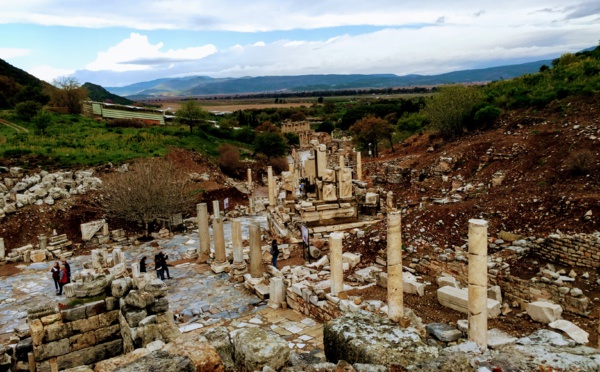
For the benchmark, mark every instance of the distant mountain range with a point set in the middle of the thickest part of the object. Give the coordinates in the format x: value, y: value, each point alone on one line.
x: 204, y: 85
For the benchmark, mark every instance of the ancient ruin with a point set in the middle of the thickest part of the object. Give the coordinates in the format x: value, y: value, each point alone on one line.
x: 346, y: 291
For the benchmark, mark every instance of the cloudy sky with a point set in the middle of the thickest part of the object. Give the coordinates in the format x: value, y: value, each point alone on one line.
x: 115, y: 43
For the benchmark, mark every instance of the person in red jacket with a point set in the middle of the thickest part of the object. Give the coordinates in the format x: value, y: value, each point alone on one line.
x: 64, y: 279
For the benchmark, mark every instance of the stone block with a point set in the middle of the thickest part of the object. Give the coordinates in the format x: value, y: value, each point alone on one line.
x: 57, y: 331
x: 458, y: 299
x: 95, y: 308
x: 139, y: 299
x: 110, y: 303
x: 86, y: 325
x: 120, y: 287
x: 108, y: 319
x: 37, y: 332
x: 69, y: 315
x: 82, y: 341
x: 134, y: 316
x: 351, y: 258
x: 90, y: 355
x: 544, y: 312
x: 160, y: 305
x: 443, y: 332
x: 51, y: 349
x: 108, y: 333
x: 497, y: 338
x: 38, y: 255
x: 50, y: 319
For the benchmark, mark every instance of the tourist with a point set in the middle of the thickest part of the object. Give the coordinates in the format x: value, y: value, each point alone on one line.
x: 274, y: 252
x: 55, y: 270
x: 165, y: 265
x: 68, y: 267
x: 158, y: 266
x: 143, y: 265
x: 62, y: 280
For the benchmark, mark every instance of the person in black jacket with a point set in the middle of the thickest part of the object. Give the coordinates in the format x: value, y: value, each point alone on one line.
x: 274, y: 252
x: 55, y: 270
x: 143, y: 265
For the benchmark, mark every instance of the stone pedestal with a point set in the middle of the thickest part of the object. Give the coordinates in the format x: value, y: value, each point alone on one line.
x: 271, y: 181
x: 478, y: 282
x: 256, y: 264
x: 394, y: 265
x: 336, y: 263
x: 219, y: 267
x: 321, y: 160
x: 276, y: 292
x: 216, y: 209
x: 358, y: 166
x: 118, y: 256
x: 43, y: 241
x: 135, y: 269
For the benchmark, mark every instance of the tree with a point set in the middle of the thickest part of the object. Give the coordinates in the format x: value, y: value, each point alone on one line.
x: 69, y: 95
x: 271, y: 144
x: 292, y: 138
x: 452, y: 108
x: 42, y: 120
x: 229, y: 159
x: 369, y: 130
x: 326, y: 126
x: 27, y: 110
x: 190, y: 113
x: 154, y: 188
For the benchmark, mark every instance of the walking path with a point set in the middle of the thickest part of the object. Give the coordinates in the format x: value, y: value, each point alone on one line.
x: 14, y: 126
x: 202, y: 298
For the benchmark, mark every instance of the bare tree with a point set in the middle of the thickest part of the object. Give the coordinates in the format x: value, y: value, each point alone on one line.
x: 153, y: 189
x: 70, y: 94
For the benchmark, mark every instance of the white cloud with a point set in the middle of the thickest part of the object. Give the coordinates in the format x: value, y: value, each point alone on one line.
x: 8, y: 53
x: 268, y: 15
x: 137, y: 53
x: 49, y: 73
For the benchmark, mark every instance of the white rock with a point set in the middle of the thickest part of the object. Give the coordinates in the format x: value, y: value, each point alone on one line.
x: 544, y: 312
x: 571, y: 329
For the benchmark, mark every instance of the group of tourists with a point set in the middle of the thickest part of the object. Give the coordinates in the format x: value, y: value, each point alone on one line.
x: 61, y: 276
x: 160, y: 265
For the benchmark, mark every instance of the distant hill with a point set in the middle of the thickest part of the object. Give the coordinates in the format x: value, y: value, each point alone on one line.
x: 203, y: 85
x: 18, y: 75
x: 99, y: 94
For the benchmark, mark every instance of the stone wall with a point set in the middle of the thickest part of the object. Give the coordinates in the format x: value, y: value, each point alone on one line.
x: 321, y: 310
x: 579, y: 250
x: 68, y: 338
x: 513, y: 288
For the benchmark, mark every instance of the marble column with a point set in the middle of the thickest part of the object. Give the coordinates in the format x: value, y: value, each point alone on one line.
x: 2, y: 249
x: 220, y: 263
x: 256, y: 264
x: 249, y: 175
x: 251, y: 206
x: 105, y: 230
x: 219, y: 238
x: 203, y: 231
x: 336, y: 263
x: 236, y: 241
x: 321, y: 160
x: 358, y: 166
x: 271, y: 186
x: 342, y: 162
x: 478, y: 282
x: 395, y: 296
x: 216, y: 209
x: 43, y: 241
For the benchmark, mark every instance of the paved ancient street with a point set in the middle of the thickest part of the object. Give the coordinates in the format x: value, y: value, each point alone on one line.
x: 201, y: 297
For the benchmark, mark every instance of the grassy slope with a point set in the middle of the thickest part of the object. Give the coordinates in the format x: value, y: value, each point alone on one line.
x: 80, y: 141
